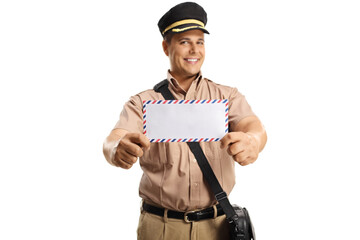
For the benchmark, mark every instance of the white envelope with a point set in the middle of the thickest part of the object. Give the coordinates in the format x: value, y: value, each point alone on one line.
x: 185, y: 120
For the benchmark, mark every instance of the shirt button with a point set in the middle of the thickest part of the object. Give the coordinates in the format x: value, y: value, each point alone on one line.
x: 194, y: 160
x: 196, y: 184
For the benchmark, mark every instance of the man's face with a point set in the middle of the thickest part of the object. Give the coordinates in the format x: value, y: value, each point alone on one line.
x: 186, y: 52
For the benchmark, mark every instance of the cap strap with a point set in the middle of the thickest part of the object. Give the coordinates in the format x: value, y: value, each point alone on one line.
x: 182, y: 22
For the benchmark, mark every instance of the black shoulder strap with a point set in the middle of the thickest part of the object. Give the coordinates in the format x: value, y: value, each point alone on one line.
x: 204, y: 165
x: 162, y: 87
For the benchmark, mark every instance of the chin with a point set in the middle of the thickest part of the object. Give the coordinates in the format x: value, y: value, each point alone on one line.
x: 193, y: 72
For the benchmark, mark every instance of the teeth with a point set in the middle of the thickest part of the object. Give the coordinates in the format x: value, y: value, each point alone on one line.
x: 192, y: 60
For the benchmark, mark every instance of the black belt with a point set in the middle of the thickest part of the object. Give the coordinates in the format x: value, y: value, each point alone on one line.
x: 189, y: 216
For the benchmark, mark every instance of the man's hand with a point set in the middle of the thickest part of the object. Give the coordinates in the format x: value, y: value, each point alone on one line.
x: 131, y: 146
x: 246, y: 141
x: 243, y: 147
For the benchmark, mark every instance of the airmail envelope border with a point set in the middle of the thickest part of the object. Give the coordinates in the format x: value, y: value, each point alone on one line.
x: 199, y: 139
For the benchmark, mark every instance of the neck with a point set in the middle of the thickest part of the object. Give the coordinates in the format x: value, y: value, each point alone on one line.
x: 184, y: 81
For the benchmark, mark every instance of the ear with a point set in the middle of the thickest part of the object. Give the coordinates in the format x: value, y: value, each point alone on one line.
x: 165, y: 47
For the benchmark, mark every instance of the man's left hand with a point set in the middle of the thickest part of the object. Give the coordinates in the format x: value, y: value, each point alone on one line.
x: 243, y: 147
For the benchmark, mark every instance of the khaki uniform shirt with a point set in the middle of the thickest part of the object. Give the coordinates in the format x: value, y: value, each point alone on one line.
x: 171, y: 176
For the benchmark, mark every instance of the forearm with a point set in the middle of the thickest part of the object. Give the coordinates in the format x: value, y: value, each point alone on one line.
x: 253, y: 126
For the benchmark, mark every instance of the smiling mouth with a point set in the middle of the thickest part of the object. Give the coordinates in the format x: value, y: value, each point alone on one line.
x: 192, y: 60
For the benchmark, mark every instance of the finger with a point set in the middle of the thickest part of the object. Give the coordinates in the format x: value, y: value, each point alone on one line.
x: 235, y: 148
x: 131, y: 148
x: 120, y: 163
x: 225, y: 141
x: 241, y: 157
x: 231, y: 138
x: 248, y: 160
x: 244, y: 163
x: 134, y: 150
x: 140, y: 139
x: 123, y: 164
x: 127, y: 157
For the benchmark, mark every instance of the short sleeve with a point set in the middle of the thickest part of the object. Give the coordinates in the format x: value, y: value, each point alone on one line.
x: 131, y: 116
x: 239, y: 108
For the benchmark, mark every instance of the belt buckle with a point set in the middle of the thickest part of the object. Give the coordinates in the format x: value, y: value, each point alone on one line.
x: 186, y: 218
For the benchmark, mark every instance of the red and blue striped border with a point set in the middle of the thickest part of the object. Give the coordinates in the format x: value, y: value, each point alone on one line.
x: 207, y: 101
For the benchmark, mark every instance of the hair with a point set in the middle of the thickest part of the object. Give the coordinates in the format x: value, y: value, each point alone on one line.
x: 168, y: 36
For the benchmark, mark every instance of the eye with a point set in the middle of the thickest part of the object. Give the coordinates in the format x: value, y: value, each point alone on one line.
x: 201, y: 43
x: 184, y: 42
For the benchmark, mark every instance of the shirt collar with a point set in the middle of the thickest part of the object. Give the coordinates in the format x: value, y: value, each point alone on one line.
x: 175, y: 84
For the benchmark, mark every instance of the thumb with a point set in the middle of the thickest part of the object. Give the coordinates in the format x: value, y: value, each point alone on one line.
x: 223, y: 142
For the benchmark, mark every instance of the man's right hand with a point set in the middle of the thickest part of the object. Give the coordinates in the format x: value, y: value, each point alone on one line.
x: 131, y: 146
x: 122, y: 148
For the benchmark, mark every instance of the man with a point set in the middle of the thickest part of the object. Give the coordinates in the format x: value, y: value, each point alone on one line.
x: 172, y: 185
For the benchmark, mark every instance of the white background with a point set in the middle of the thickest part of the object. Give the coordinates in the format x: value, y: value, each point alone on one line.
x: 67, y: 68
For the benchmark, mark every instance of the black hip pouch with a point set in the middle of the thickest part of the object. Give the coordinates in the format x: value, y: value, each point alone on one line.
x: 241, y: 227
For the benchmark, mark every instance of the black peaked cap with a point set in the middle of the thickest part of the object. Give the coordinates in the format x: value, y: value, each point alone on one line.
x: 183, y: 17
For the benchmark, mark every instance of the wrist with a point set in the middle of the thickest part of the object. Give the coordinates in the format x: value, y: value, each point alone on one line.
x: 109, y: 149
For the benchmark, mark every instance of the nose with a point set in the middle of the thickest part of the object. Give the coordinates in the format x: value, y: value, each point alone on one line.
x: 194, y: 48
